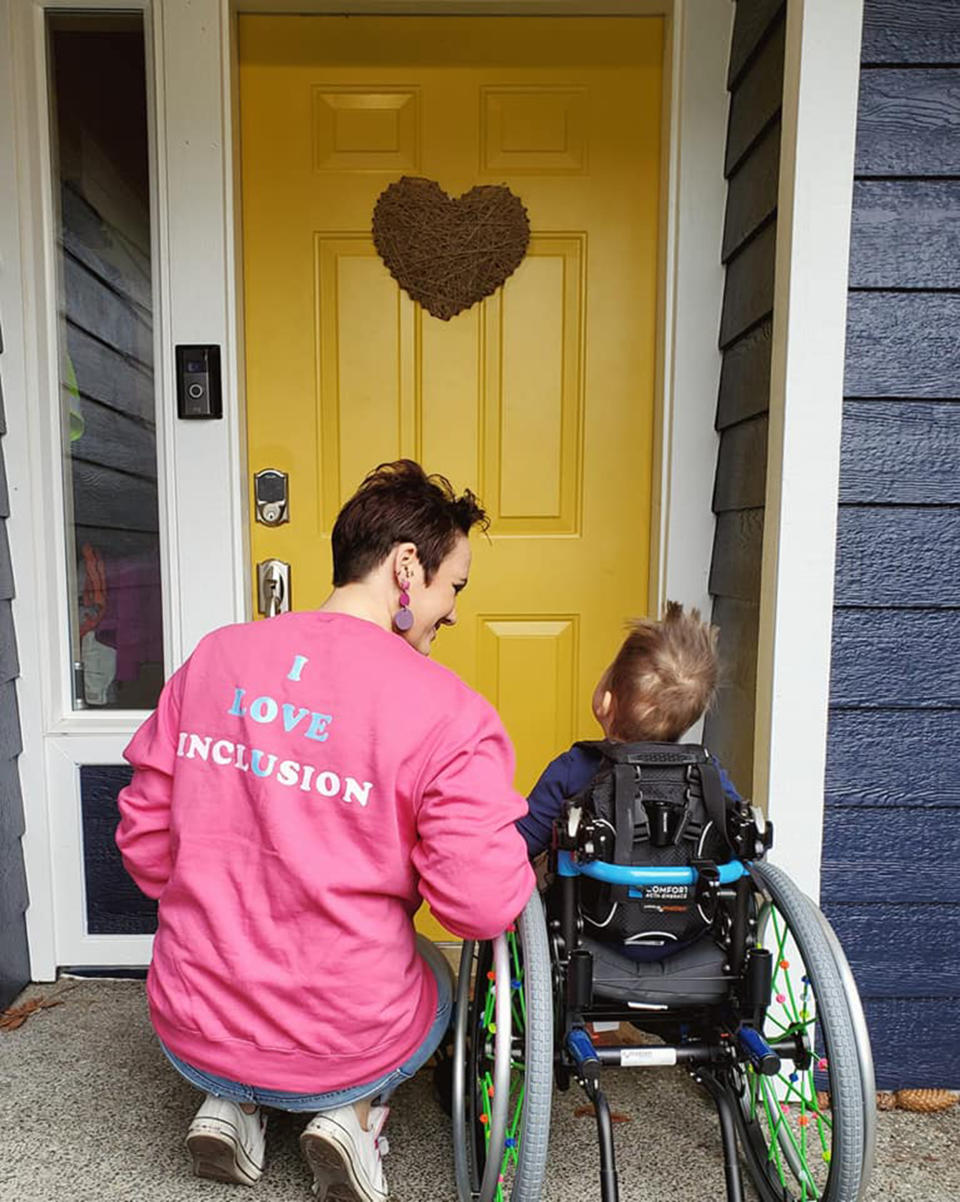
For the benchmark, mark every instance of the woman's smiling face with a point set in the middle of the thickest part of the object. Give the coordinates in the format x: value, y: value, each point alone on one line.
x: 435, y: 604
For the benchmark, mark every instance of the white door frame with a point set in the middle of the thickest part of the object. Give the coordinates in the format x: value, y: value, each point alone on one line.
x: 202, y: 465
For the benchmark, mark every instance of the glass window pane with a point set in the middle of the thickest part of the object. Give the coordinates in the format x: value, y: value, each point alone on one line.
x: 101, y: 175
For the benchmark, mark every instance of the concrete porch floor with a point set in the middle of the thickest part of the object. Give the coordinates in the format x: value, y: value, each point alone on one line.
x: 90, y: 1109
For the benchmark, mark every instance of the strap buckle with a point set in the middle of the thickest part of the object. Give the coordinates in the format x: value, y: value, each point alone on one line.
x: 706, y: 894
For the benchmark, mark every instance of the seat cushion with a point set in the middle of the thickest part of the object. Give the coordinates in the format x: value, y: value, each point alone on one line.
x: 686, y: 977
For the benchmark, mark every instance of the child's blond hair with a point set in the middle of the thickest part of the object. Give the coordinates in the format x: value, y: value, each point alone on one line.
x: 664, y: 676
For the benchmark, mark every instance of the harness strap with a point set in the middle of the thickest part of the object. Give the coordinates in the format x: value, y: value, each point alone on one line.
x: 630, y: 820
x: 714, y: 801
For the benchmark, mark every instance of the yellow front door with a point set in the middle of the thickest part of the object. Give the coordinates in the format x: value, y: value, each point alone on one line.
x: 540, y: 398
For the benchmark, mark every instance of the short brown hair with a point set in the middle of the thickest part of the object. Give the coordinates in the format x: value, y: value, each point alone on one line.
x: 399, y: 503
x: 664, y: 676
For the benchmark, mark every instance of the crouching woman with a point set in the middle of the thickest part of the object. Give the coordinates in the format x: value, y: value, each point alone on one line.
x: 303, y: 784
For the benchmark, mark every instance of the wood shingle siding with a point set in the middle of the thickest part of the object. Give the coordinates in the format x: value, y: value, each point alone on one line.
x: 741, y: 467
x: 892, y: 820
x: 14, y: 957
x: 745, y: 376
x: 748, y: 289
x: 754, y: 22
x: 737, y: 547
x: 757, y: 96
x: 752, y: 193
x: 755, y: 81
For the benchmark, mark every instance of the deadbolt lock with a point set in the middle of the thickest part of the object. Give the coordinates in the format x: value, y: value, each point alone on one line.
x: 271, y: 496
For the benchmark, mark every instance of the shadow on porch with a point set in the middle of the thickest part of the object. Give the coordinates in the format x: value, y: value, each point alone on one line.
x: 90, y: 1109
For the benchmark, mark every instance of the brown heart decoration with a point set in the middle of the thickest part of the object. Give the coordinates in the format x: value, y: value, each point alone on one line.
x: 445, y: 253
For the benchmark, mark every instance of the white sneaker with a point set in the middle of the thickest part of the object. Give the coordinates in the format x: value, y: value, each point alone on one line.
x: 346, y: 1160
x: 226, y: 1143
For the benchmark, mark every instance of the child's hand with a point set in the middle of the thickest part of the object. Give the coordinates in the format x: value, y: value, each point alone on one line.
x: 541, y: 866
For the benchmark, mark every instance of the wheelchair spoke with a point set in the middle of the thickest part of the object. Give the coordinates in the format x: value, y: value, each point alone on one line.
x: 785, y: 1029
x: 804, y: 1123
x: 754, y: 1080
x: 797, y: 1162
x: 490, y: 1005
x: 513, y: 1138
x: 773, y: 1152
x: 807, y: 1105
x: 517, y: 983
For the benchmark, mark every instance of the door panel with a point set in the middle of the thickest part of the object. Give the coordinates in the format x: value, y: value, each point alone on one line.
x: 541, y: 397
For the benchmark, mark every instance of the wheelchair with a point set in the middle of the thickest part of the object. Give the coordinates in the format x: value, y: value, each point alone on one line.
x: 762, y: 1011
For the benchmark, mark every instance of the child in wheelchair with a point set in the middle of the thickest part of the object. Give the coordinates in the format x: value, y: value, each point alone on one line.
x: 661, y: 917
x: 661, y: 682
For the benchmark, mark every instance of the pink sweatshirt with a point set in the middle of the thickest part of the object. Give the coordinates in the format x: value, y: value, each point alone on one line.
x: 303, y: 783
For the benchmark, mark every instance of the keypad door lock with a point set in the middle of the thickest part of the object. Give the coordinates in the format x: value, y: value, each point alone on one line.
x: 271, y: 496
x: 273, y: 587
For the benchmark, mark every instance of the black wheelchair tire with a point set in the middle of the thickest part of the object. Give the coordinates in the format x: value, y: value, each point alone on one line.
x: 837, y: 1011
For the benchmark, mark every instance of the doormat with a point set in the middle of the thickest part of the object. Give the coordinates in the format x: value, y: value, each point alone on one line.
x: 449, y: 254
x: 920, y: 1101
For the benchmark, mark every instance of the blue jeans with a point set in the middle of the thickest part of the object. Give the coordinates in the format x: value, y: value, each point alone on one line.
x: 382, y: 1087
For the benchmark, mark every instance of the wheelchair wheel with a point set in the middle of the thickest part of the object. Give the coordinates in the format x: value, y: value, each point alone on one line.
x: 797, y: 1147
x: 868, y: 1082
x: 503, y: 1064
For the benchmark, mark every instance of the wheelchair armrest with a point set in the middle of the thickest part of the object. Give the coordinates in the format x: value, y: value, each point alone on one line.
x: 622, y: 874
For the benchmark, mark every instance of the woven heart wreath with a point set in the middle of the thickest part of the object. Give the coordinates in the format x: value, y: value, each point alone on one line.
x: 448, y: 254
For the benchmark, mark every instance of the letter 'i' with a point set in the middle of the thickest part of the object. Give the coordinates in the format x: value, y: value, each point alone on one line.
x: 298, y: 665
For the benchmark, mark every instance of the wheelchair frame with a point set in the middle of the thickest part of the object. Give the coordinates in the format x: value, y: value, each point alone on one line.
x: 721, y: 1042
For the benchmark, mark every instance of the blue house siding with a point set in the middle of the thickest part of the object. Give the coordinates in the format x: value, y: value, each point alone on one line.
x: 752, y: 167
x: 14, y: 957
x: 892, y: 819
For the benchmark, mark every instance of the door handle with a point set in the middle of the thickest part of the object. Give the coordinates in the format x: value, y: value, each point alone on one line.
x: 273, y: 587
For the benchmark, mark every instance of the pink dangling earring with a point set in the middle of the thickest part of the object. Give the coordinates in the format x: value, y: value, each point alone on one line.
x: 403, y: 618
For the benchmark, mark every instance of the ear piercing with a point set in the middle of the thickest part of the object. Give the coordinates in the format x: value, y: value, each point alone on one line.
x: 403, y: 618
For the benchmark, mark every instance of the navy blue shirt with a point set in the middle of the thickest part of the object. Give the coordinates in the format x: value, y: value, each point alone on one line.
x: 561, y: 779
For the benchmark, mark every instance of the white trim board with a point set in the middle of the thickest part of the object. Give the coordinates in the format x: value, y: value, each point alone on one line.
x: 203, y: 465
x: 18, y: 364
x: 821, y: 84
x: 693, y: 279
